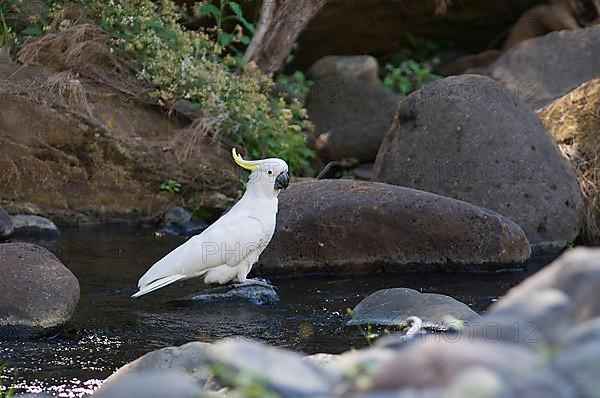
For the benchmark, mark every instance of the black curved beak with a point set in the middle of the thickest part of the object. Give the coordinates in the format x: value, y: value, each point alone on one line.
x: 282, y: 181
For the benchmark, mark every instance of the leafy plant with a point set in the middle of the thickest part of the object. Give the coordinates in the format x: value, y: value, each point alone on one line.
x: 229, y: 11
x: 5, y: 31
x: 245, y: 385
x: 411, y: 68
x: 423, y: 49
x: 171, y: 186
x: 409, y: 76
x: 295, y: 85
x: 191, y: 65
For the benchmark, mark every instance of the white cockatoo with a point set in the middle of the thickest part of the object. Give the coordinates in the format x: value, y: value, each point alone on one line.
x: 226, y: 251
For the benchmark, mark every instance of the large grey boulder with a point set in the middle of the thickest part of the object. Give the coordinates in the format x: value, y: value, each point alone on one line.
x: 576, y: 274
x: 468, y: 138
x: 545, y: 68
x: 538, y: 321
x: 36, y: 290
x: 351, y: 117
x: 435, y: 363
x: 343, y: 225
x: 393, y: 306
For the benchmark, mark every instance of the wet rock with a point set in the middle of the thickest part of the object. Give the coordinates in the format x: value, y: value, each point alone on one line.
x: 390, y: 307
x: 587, y: 332
x: 34, y: 226
x: 540, y: 320
x: 152, y: 384
x: 359, y: 66
x: 321, y: 358
x: 475, y: 382
x: 257, y: 293
x: 190, y: 359
x: 278, y: 370
x: 372, y: 356
x: 179, y: 221
x: 101, y: 158
x: 6, y: 225
x: 575, y: 273
x: 479, y: 381
x: 36, y: 290
x: 468, y: 138
x: 545, y: 382
x: 351, y: 117
x: 545, y: 68
x: 343, y: 225
x: 580, y: 366
x: 436, y: 362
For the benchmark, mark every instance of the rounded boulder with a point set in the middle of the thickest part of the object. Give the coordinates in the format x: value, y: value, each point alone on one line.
x: 36, y: 290
x: 344, y: 225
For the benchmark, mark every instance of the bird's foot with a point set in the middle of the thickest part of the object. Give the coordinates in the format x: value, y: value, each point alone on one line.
x: 254, y: 282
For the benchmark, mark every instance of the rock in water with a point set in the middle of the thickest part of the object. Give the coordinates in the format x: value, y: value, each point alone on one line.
x: 257, y: 293
x: 152, y: 384
x: 179, y: 221
x: 343, y: 225
x: 282, y: 371
x: 389, y: 307
x: 468, y: 138
x: 34, y: 226
x: 542, y: 69
x: 6, y: 225
x: 36, y: 290
x: 351, y: 117
x: 435, y: 363
x: 189, y: 358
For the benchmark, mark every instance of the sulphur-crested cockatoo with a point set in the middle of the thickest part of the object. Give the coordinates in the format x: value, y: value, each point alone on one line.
x: 226, y: 251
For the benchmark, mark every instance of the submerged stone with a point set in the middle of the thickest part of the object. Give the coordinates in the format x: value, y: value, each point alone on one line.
x: 388, y: 307
x: 257, y: 292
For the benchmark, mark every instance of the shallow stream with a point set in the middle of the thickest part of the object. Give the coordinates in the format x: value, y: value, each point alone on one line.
x: 109, y: 329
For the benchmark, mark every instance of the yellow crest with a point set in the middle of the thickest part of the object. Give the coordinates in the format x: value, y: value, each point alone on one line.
x: 243, y: 163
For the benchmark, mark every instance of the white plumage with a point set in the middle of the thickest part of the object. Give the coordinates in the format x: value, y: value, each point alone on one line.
x: 227, y: 249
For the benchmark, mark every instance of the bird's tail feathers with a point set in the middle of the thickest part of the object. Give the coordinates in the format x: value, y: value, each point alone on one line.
x: 157, y: 284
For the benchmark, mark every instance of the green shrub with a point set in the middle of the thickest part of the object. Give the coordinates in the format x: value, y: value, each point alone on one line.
x: 191, y: 65
x: 410, y: 69
x: 409, y: 76
x: 5, y: 32
x: 228, y: 10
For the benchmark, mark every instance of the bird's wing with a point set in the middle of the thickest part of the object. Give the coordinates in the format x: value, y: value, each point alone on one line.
x: 227, y: 241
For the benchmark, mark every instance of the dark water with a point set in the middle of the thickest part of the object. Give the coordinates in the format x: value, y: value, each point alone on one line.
x: 109, y: 329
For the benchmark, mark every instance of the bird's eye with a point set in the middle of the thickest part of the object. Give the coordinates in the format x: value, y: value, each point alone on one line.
x: 270, y: 171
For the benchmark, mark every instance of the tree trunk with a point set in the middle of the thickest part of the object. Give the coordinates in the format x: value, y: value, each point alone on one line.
x: 280, y: 24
